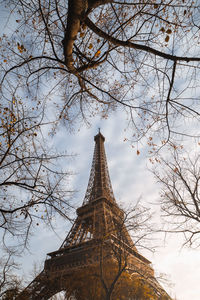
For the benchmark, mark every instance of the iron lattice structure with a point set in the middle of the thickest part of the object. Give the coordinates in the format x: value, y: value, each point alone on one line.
x: 97, y: 218
x: 99, y: 184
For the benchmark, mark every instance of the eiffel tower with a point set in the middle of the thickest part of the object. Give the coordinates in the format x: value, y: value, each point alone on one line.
x: 97, y: 218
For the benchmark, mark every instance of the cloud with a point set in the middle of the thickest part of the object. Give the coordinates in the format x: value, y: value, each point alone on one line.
x: 130, y: 180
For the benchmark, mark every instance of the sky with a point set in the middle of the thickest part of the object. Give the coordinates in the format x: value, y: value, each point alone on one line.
x: 130, y: 180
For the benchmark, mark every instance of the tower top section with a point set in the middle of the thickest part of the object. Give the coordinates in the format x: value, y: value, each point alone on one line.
x: 99, y: 136
x: 99, y: 185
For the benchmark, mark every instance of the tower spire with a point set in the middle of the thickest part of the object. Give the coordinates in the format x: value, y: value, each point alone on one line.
x: 99, y: 184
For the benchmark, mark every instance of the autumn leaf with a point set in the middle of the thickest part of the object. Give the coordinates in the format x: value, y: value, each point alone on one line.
x: 21, y: 48
x: 90, y: 46
x: 84, y: 26
x: 138, y: 152
x: 97, y: 53
x: 169, y: 31
x: 167, y: 39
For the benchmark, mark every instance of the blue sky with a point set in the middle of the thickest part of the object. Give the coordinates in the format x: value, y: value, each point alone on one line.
x: 130, y: 180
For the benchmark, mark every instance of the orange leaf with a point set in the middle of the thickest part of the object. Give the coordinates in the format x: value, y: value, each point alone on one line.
x: 98, y: 53
x: 138, y: 152
x: 167, y: 39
